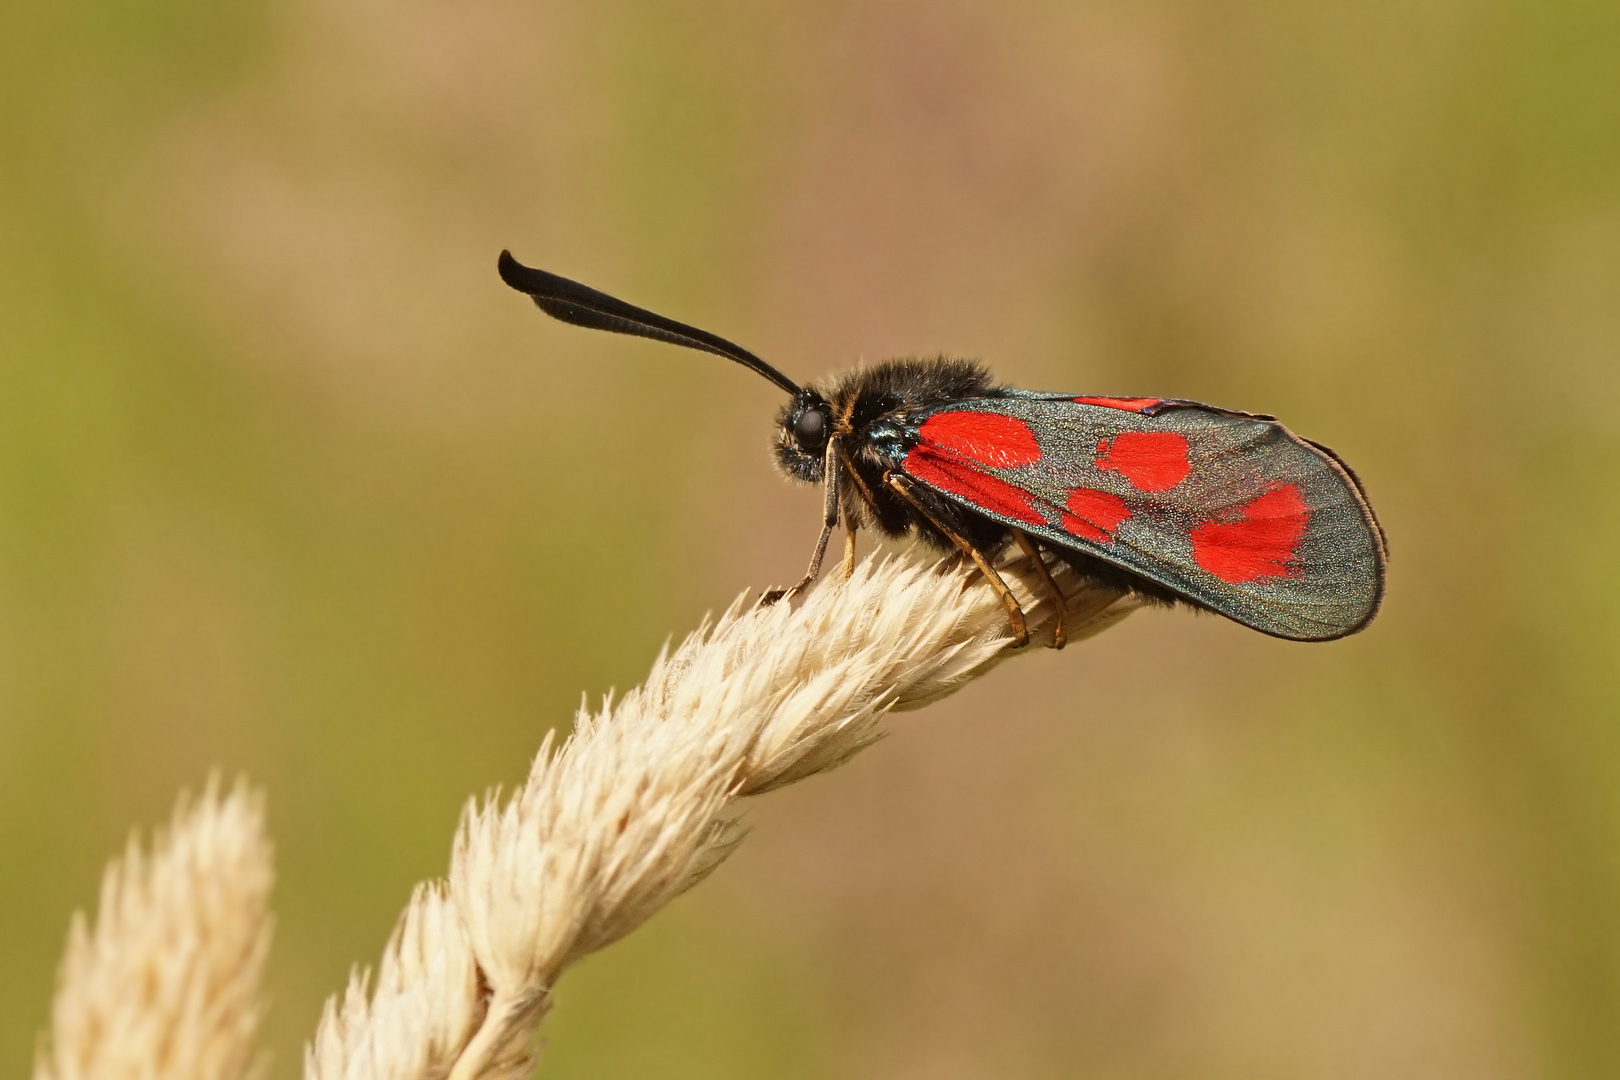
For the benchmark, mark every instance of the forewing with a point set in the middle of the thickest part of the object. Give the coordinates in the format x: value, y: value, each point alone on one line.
x: 1229, y: 509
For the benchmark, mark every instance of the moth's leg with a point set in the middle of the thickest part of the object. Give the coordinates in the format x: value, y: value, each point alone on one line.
x: 849, y: 470
x: 860, y: 485
x: 829, y: 521
x: 1015, y: 614
x: 1060, y: 638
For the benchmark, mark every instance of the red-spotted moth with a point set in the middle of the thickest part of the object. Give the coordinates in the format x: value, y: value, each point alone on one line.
x: 1174, y: 500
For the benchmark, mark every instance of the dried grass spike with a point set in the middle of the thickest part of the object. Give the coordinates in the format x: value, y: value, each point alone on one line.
x: 640, y: 802
x: 166, y: 982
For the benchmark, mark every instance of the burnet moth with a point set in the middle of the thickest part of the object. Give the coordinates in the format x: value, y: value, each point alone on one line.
x: 1171, y: 499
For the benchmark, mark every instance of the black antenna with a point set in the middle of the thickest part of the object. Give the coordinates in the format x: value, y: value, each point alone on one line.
x: 583, y: 306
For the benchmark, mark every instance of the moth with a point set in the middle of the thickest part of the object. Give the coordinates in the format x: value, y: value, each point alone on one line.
x: 1174, y: 500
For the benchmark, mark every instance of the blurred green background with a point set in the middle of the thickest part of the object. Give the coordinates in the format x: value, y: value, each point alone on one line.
x: 290, y: 484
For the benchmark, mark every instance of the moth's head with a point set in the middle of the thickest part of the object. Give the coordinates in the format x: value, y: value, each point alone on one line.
x: 802, y: 429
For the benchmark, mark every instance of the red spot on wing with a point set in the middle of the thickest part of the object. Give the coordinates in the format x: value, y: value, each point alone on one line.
x: 1150, y: 460
x: 955, y: 476
x: 1260, y: 543
x: 1129, y: 404
x: 1094, y: 515
x: 1002, y: 442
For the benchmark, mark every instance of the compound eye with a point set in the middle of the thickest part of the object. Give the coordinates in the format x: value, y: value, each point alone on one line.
x: 811, y: 428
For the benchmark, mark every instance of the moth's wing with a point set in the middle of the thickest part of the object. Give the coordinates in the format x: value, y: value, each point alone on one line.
x: 1230, y: 510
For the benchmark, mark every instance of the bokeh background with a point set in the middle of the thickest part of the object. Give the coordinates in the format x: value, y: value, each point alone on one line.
x: 291, y: 485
